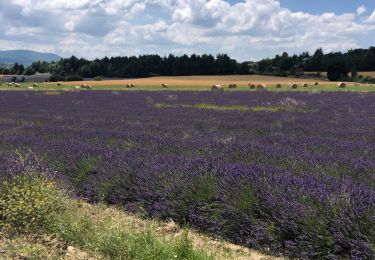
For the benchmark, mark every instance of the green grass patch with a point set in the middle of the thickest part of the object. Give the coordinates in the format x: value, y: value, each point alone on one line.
x: 37, y: 219
x: 85, y: 168
x: 276, y: 108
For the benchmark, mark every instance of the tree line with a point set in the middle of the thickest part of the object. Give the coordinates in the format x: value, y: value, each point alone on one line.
x: 337, y: 65
x: 74, y: 68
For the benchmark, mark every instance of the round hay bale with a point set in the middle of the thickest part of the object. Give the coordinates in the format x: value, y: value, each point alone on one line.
x: 59, y: 84
x: 232, y: 86
x: 251, y: 86
x: 35, y: 85
x: 316, y: 83
x: 305, y: 85
x: 130, y: 85
x: 293, y: 85
x: 30, y: 87
x: 77, y: 87
x: 85, y: 86
x: 261, y: 87
x: 341, y: 85
x: 17, y: 85
x: 217, y: 88
x: 164, y: 85
x: 278, y: 85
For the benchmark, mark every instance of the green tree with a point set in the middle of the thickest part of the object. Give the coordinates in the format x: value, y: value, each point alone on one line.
x: 338, y: 69
x: 94, y: 68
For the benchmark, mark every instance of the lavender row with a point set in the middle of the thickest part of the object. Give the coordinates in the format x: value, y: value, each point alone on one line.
x: 294, y: 182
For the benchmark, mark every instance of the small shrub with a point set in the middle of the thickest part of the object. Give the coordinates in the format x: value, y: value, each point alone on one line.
x: 56, y: 78
x: 73, y: 78
x: 28, y: 202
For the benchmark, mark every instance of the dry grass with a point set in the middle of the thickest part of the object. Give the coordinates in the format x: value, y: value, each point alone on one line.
x: 198, y: 83
x: 367, y: 73
x: 41, y: 247
x: 183, y: 81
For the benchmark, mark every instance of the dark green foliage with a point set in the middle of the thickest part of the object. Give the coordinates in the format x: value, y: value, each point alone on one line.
x: 361, y: 79
x: 74, y: 78
x: 338, y: 69
x: 337, y: 64
x: 56, y: 78
x: 143, y: 66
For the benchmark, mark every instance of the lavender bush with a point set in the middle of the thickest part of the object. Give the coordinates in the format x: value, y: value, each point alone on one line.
x: 299, y: 181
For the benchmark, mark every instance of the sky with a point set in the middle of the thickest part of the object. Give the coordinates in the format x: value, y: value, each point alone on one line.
x: 244, y: 29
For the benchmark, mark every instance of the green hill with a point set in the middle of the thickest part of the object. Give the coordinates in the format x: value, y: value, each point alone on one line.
x: 25, y: 57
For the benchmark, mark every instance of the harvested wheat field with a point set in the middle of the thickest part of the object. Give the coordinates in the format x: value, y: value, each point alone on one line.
x: 367, y: 73
x: 240, y: 80
x: 204, y: 83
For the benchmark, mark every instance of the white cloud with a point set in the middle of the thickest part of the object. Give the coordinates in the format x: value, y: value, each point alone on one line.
x: 361, y: 10
x: 23, y: 31
x: 371, y: 18
x: 250, y: 28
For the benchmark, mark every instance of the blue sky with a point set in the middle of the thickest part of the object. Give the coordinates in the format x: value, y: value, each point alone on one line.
x: 246, y: 30
x: 321, y: 6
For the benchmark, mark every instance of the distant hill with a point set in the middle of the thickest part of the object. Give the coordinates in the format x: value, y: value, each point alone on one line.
x: 25, y: 57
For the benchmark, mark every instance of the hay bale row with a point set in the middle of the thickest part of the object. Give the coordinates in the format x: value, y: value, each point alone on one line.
x: 13, y: 84
x: 251, y: 86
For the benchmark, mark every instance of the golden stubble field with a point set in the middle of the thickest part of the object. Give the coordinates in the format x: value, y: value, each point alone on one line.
x: 196, y: 83
x: 241, y: 80
x: 367, y: 73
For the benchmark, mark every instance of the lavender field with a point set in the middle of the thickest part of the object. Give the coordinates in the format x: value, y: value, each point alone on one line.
x: 287, y: 173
